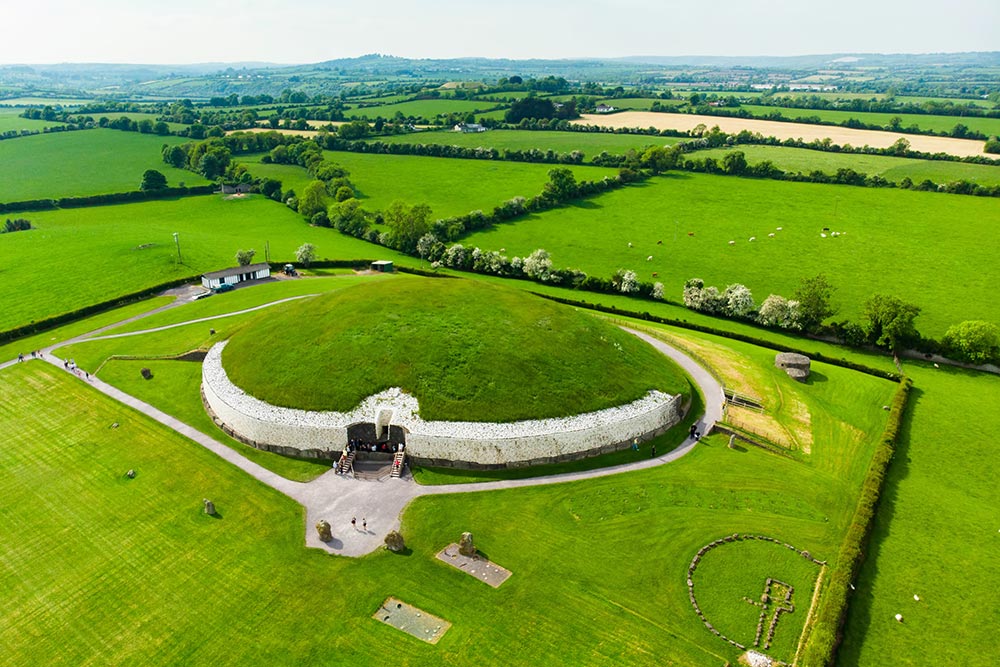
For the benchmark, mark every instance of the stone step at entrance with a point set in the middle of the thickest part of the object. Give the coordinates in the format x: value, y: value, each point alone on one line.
x: 397, y: 464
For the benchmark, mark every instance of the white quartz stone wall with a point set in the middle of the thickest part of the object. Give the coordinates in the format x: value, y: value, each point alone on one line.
x: 474, y: 442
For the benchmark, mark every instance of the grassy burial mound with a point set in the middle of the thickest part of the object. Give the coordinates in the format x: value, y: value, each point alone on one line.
x: 467, y: 351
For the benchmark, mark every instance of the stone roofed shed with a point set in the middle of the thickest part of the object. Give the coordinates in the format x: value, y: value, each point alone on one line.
x: 796, y: 365
x: 235, y: 275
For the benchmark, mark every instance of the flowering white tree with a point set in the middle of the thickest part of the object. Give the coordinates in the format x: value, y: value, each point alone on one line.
x: 306, y: 254
x: 777, y: 311
x: 538, y: 265
x: 629, y: 282
x: 454, y: 256
x: 739, y: 301
x: 658, y: 291
x: 694, y: 293
x: 425, y: 244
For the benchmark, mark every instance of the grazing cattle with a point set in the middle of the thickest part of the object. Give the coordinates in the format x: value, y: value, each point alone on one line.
x: 659, y: 243
x: 690, y: 233
x: 655, y: 274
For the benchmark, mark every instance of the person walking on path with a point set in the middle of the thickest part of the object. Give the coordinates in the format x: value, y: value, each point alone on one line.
x: 652, y: 452
x: 364, y: 524
x: 354, y: 522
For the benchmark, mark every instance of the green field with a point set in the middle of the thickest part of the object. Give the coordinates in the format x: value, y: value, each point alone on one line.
x: 590, y: 143
x: 84, y: 162
x: 428, y: 109
x: 249, y: 573
x: 936, y: 533
x: 82, y: 256
x: 890, y: 229
x: 136, y: 116
x: 938, y: 124
x: 891, y: 168
x: 11, y: 121
x: 449, y: 187
x: 467, y: 351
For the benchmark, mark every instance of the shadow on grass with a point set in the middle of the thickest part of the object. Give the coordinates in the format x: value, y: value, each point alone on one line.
x: 405, y: 552
x: 816, y: 378
x: 859, y: 612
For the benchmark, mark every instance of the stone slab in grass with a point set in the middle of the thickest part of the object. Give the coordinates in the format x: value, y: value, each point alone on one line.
x: 411, y: 620
x: 480, y: 568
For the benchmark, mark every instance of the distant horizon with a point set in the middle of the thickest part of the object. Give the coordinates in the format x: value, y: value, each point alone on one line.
x: 186, y: 32
x: 639, y: 57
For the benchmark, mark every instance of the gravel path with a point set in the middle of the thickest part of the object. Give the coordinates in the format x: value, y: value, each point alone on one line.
x: 337, y: 498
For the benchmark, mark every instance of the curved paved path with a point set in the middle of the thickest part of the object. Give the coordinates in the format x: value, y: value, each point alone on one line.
x: 337, y: 498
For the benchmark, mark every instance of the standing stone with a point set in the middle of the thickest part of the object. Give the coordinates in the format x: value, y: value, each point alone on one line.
x: 465, y: 546
x: 732, y: 441
x: 324, y: 530
x: 209, y: 507
x: 394, y: 541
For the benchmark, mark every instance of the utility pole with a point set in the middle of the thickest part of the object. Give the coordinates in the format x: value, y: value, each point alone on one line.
x: 177, y: 242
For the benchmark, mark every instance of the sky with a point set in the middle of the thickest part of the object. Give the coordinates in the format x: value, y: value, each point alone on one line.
x: 307, y: 31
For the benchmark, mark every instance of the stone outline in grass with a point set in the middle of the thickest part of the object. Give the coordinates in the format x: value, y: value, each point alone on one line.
x: 484, y: 570
x: 728, y: 539
x: 412, y: 620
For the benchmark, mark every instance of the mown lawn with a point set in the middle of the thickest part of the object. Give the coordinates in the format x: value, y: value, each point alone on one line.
x: 83, y: 162
x: 891, y: 168
x: 915, y: 245
x: 76, y: 257
x: 134, y: 571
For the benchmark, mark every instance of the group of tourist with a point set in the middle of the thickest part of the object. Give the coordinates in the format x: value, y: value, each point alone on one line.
x: 358, y: 445
x: 35, y: 354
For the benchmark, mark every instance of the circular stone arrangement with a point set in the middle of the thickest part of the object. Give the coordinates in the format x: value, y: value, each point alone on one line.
x: 765, y: 634
x: 472, y: 374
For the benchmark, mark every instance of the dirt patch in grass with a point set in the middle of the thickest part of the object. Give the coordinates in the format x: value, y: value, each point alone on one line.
x: 411, y: 620
x: 475, y: 566
x: 782, y: 130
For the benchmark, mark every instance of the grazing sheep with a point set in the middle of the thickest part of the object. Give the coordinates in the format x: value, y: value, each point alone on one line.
x: 629, y: 244
x: 649, y: 259
x: 752, y: 239
x: 778, y: 229
x: 690, y: 233
x: 822, y: 235
x: 659, y: 243
x: 732, y: 243
x: 655, y: 274
x: 771, y: 235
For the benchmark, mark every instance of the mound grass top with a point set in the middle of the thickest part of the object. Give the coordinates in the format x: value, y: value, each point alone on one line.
x: 467, y: 351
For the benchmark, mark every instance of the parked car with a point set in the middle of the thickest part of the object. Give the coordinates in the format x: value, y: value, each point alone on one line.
x: 224, y: 287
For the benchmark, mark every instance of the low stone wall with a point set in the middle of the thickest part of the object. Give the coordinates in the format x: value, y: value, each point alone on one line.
x: 462, y: 444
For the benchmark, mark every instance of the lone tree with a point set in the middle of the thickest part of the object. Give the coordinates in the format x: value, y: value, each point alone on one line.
x: 813, y: 296
x: 244, y: 257
x: 974, y: 340
x: 889, y: 321
x: 407, y: 224
x: 306, y: 254
x: 152, y: 180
